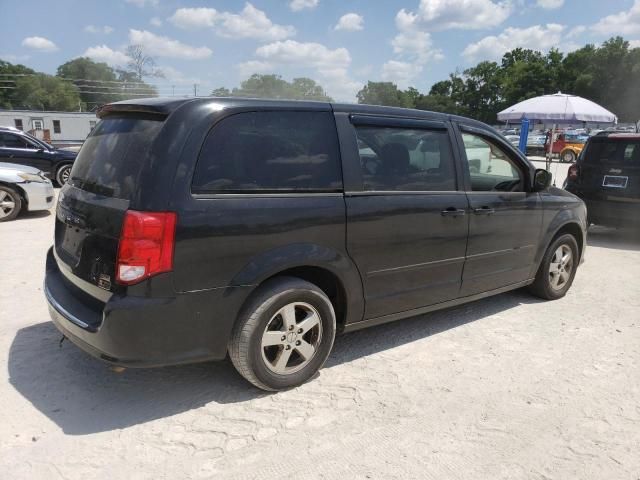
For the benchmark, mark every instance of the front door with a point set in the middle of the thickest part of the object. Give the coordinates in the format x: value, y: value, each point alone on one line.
x: 505, y: 218
x: 406, y: 220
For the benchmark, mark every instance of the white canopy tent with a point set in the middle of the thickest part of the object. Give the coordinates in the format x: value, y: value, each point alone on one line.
x: 557, y: 108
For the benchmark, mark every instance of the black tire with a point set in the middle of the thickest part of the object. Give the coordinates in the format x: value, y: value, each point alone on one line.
x: 246, y: 344
x: 62, y: 174
x: 10, y: 203
x: 542, y: 286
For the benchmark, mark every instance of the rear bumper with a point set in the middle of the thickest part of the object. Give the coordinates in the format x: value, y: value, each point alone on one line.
x: 614, y: 214
x: 141, y: 331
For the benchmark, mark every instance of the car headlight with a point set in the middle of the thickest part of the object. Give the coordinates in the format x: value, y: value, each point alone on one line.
x: 32, y: 177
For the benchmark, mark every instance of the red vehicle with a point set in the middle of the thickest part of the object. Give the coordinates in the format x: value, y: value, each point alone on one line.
x: 566, y: 146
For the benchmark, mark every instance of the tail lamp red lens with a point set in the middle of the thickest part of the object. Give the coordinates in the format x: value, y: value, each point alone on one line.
x: 573, y: 171
x: 146, y: 245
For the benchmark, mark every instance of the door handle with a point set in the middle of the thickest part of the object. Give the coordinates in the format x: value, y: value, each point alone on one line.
x: 484, y: 210
x: 453, y: 212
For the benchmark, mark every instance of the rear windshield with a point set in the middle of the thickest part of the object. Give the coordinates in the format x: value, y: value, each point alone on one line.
x: 614, y: 152
x: 111, y: 159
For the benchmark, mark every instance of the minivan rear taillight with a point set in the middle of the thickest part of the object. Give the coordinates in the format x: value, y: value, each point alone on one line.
x: 573, y: 172
x: 146, y: 245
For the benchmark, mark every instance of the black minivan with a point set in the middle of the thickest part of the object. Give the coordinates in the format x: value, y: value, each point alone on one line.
x: 194, y: 228
x: 607, y: 177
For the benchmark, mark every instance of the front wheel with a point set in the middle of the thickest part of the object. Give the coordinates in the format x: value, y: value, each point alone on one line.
x: 558, y: 269
x: 10, y: 203
x: 568, y: 156
x: 283, y: 335
x: 63, y: 174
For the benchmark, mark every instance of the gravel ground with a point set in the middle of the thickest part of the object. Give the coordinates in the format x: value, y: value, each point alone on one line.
x: 507, y: 387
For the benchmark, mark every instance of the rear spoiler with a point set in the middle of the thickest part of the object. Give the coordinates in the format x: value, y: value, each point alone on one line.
x: 160, y: 111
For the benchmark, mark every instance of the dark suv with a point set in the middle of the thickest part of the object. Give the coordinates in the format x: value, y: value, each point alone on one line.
x: 19, y: 147
x: 607, y: 177
x: 194, y: 228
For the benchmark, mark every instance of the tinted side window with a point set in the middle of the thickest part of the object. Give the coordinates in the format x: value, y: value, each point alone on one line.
x: 405, y: 159
x: 490, y: 168
x: 270, y: 152
x: 9, y: 140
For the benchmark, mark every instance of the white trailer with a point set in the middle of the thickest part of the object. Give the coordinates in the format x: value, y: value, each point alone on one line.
x: 59, y: 128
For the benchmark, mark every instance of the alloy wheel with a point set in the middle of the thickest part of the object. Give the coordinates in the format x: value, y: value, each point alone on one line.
x: 291, y: 338
x: 7, y: 204
x: 561, y: 267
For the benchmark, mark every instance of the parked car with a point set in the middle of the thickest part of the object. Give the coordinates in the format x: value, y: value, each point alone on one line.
x: 23, y: 189
x: 607, y: 177
x: 21, y: 148
x: 266, y: 227
x: 566, y: 146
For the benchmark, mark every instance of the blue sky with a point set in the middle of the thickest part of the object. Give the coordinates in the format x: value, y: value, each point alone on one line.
x: 339, y: 43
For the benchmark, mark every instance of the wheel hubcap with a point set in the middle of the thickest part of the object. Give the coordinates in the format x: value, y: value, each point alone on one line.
x: 291, y: 338
x: 560, y: 267
x: 64, y: 174
x: 6, y: 204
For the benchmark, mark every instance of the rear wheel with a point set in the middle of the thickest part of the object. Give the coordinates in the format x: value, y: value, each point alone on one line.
x: 568, y: 156
x: 558, y: 269
x: 10, y: 203
x: 284, y: 334
x: 62, y: 175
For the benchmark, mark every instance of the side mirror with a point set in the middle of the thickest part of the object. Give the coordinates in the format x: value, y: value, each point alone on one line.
x: 541, y: 180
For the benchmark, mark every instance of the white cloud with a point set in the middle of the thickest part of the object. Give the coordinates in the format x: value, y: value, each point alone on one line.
x: 634, y: 43
x: 194, y: 17
x: 493, y: 47
x: 416, y: 45
x: 254, y: 66
x: 549, y: 4
x: 102, y: 53
x: 106, y: 29
x: 143, y: 3
x: 249, y: 23
x: 463, y: 14
x: 297, y: 5
x: 156, y: 22
x: 331, y: 65
x: 401, y: 73
x: 166, y: 47
x: 622, y: 23
x: 177, y: 77
x: 350, y: 22
x: 577, y: 30
x: 39, y: 43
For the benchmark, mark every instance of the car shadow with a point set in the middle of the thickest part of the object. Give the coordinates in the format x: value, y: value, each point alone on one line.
x: 83, y: 395
x: 30, y: 215
x: 619, y: 239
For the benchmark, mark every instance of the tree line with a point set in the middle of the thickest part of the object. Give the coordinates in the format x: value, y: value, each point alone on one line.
x: 79, y: 84
x: 608, y: 75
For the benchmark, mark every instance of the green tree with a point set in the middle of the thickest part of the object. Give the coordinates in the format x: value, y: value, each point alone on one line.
x: 45, y: 92
x: 97, y: 82
x: 383, y: 93
x: 9, y: 73
x: 274, y: 86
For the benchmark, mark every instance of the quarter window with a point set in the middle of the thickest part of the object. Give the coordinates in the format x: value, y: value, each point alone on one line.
x: 270, y: 152
x: 490, y: 168
x: 402, y: 159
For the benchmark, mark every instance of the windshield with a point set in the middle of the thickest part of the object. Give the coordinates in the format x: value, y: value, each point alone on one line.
x: 110, y: 161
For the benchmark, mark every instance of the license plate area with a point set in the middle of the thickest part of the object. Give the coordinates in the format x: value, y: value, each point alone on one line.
x: 615, y: 181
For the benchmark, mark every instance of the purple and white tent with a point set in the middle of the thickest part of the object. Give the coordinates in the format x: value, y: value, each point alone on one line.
x: 557, y: 108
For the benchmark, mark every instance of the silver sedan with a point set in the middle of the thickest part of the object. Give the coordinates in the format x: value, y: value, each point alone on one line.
x: 23, y: 188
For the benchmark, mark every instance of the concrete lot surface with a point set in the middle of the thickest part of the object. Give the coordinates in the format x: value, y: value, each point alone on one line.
x: 507, y: 387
